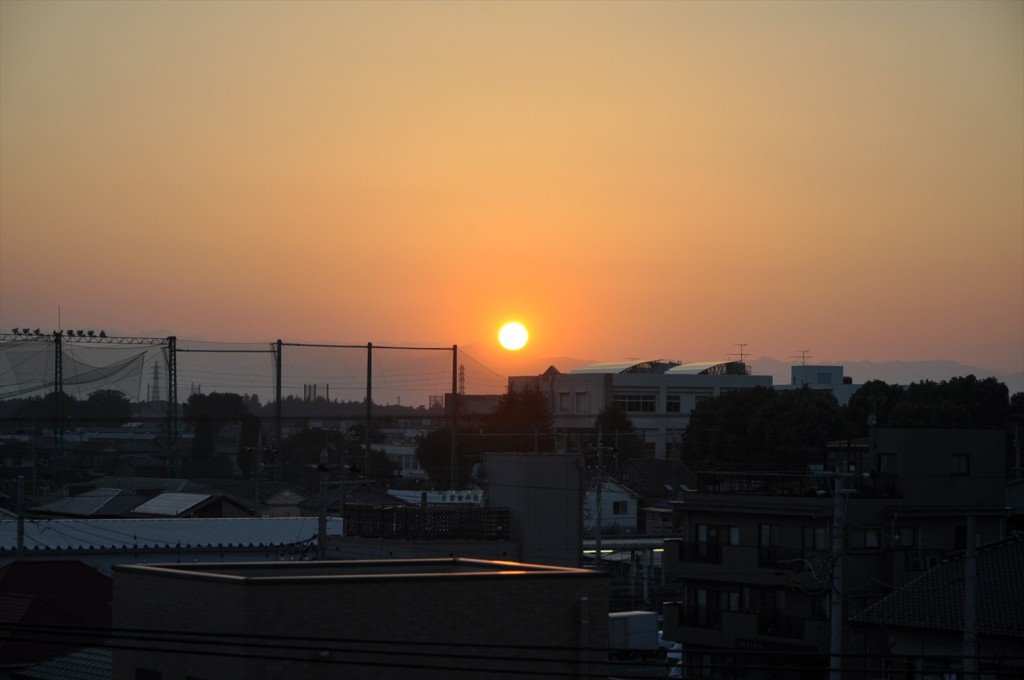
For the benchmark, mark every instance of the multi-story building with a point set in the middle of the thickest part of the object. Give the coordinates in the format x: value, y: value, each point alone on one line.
x: 658, y: 396
x: 761, y: 554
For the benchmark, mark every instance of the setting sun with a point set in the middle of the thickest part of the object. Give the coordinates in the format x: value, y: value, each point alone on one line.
x: 513, y: 335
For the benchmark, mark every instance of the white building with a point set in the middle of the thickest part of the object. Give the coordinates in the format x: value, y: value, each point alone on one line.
x: 618, y: 513
x: 822, y: 378
x: 658, y: 396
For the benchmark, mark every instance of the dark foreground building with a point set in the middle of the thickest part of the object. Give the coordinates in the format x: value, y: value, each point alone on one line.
x: 408, y: 619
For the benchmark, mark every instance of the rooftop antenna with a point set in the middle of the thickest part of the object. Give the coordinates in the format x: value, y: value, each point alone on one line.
x: 804, y: 356
x: 741, y: 354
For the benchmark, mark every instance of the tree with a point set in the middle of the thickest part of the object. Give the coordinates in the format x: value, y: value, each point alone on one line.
x: 522, y: 421
x: 434, y: 452
x: 617, y: 431
x: 871, y: 406
x: 762, y: 429
x: 106, y: 407
x: 207, y: 414
x: 963, y: 402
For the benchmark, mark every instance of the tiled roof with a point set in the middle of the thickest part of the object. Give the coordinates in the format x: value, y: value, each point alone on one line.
x: 41, y: 594
x: 935, y: 600
x: 126, y: 534
x: 88, y: 663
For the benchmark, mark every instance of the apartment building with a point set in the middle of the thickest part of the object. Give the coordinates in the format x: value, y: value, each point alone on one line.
x: 759, y: 555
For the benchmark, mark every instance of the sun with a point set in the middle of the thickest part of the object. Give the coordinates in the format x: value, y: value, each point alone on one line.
x: 513, y: 336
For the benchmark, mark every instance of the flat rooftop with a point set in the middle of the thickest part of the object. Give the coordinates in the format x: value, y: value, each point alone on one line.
x: 336, y: 571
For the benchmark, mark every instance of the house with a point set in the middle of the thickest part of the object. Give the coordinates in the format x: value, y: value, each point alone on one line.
x: 656, y: 481
x: 922, y: 624
x: 757, y: 554
x: 379, y: 619
x: 618, y: 509
x: 658, y: 396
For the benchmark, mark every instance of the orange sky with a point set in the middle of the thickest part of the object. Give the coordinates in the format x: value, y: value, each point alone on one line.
x: 629, y: 179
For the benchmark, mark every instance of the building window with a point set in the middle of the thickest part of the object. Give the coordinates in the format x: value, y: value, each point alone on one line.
x: 582, y: 402
x: 824, y: 378
x: 707, y: 543
x: 865, y: 539
x: 905, y: 537
x: 636, y: 403
x: 620, y: 508
x: 768, y: 544
x: 673, y: 404
x: 819, y: 606
x: 815, y: 539
x: 887, y: 463
x: 961, y: 464
x: 563, y: 402
x: 734, y: 535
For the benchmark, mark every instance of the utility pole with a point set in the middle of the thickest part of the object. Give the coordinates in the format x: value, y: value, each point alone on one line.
x: 836, y: 600
x: 971, y: 603
x: 600, y: 485
x: 21, y: 516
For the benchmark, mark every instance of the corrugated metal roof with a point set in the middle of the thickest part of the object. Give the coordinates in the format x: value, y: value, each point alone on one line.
x: 171, y: 504
x: 695, y: 368
x: 612, y: 367
x: 114, y: 534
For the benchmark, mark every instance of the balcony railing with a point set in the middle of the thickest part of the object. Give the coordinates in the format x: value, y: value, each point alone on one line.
x: 777, y: 557
x: 438, y: 521
x: 697, y: 617
x: 796, y: 484
x: 772, y: 622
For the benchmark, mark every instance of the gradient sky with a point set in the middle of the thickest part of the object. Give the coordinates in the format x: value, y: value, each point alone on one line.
x: 628, y: 179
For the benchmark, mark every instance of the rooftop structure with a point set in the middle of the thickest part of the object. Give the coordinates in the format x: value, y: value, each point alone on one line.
x: 380, y: 619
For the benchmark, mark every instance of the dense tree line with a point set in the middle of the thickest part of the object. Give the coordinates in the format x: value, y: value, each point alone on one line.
x: 767, y: 429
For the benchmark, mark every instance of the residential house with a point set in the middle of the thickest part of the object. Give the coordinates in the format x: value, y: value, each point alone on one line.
x: 925, y: 626
x: 618, y: 508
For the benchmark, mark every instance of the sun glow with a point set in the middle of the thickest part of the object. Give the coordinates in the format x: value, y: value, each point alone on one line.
x: 513, y: 335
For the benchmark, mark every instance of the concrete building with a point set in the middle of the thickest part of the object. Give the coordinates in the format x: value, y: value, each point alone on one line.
x: 658, y: 396
x: 391, y: 619
x: 760, y: 554
x: 544, y: 496
x: 822, y: 378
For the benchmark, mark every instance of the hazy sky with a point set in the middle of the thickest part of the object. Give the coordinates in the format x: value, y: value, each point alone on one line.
x: 628, y: 179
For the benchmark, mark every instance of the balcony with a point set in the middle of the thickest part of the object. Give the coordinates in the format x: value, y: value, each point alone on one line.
x: 694, y: 617
x: 772, y: 622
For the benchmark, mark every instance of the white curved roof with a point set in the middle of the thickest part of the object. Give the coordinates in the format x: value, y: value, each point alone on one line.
x: 95, y: 534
